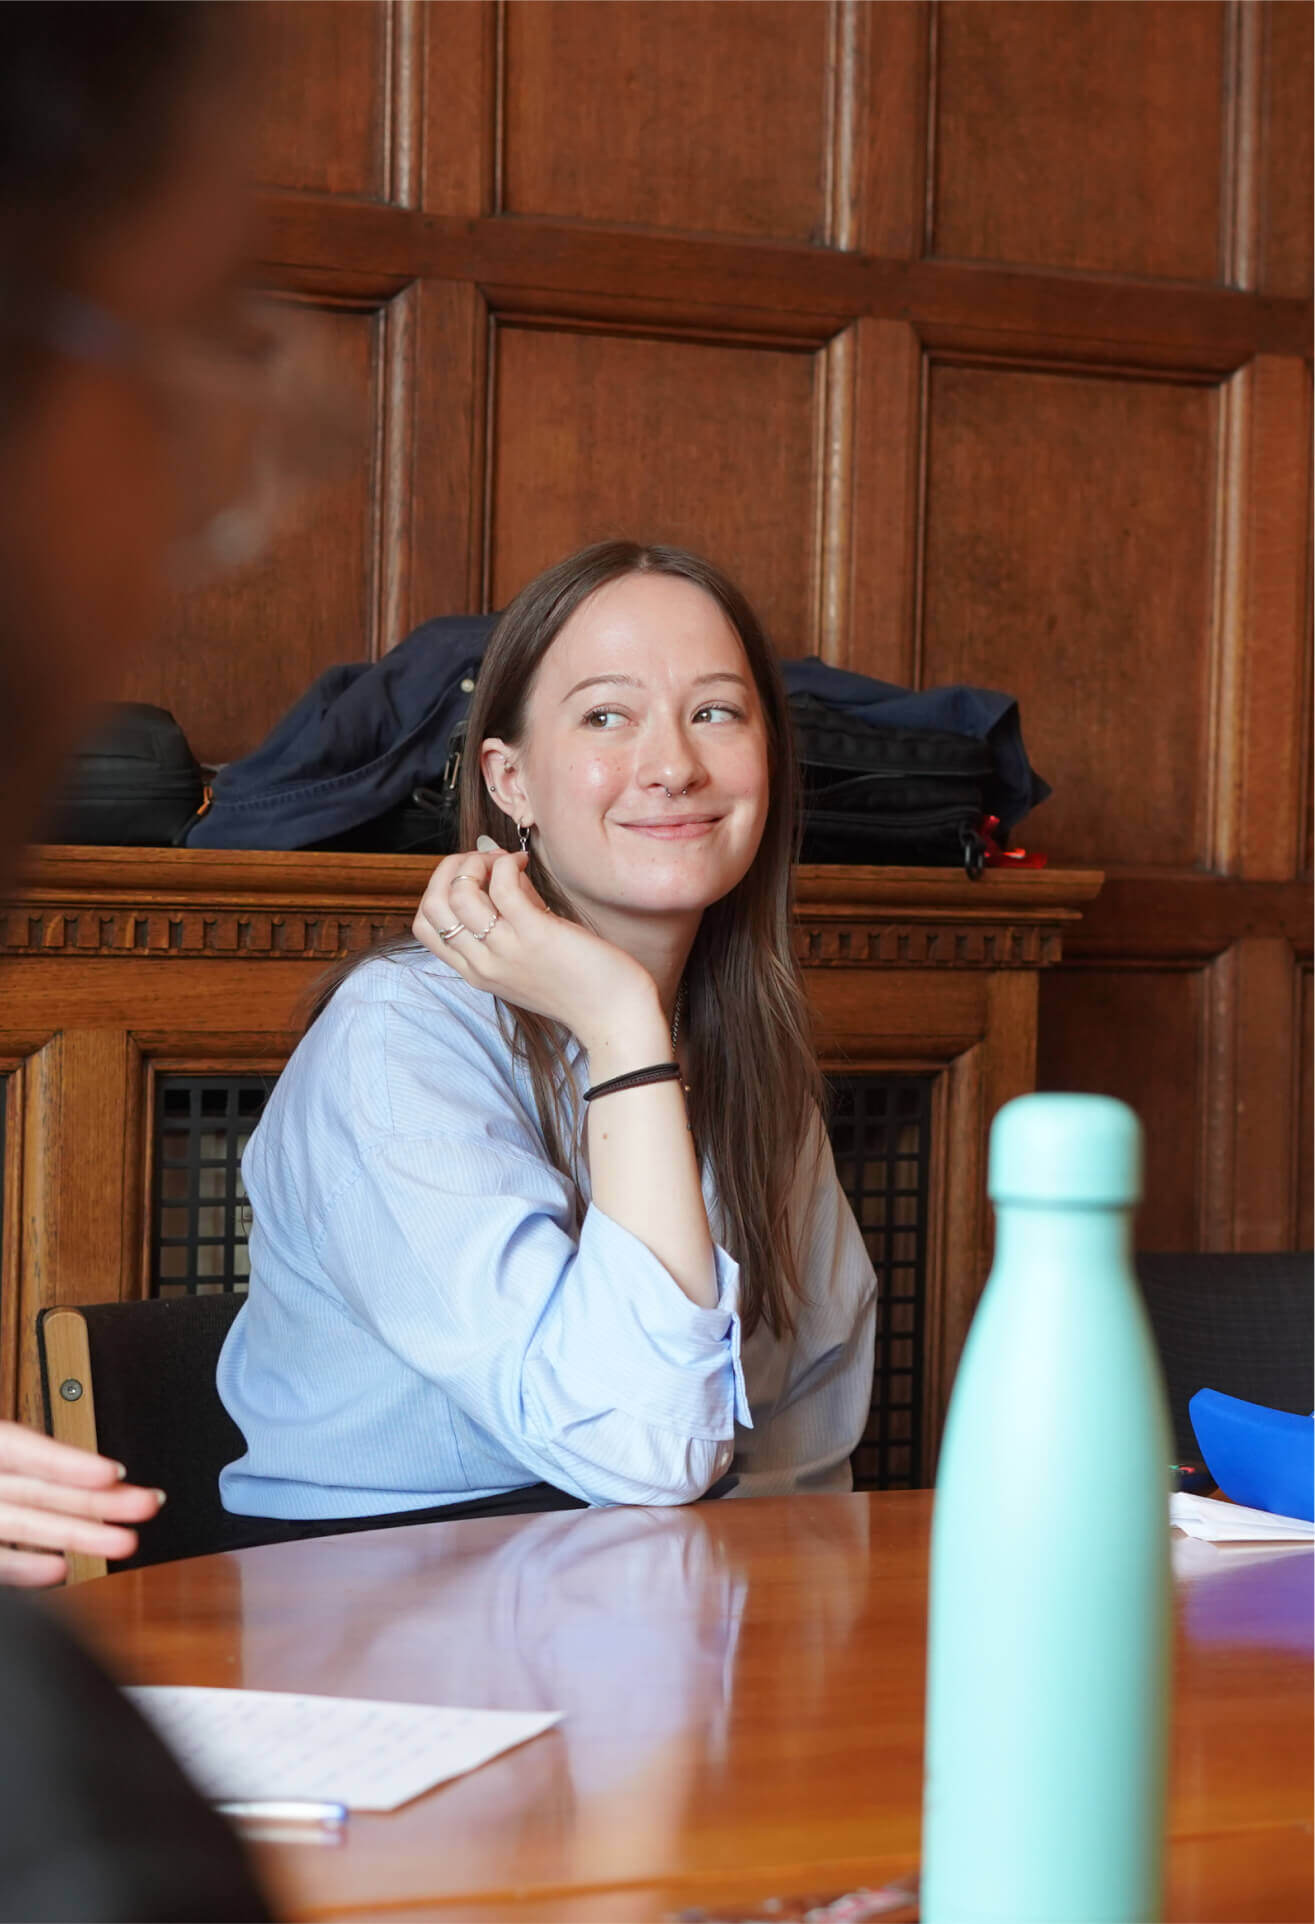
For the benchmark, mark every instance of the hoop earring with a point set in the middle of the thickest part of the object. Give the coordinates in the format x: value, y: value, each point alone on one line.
x: 523, y: 833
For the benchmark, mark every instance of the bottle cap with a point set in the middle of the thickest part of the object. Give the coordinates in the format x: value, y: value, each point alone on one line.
x: 1085, y: 1150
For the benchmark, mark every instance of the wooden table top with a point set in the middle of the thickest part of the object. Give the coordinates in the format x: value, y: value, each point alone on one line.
x: 742, y: 1689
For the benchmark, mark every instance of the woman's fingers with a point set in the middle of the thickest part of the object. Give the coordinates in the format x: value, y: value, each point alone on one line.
x: 510, y: 889
x: 52, y: 1530
x: 123, y: 1503
x: 30, y: 1569
x: 25, y: 1452
x: 452, y: 897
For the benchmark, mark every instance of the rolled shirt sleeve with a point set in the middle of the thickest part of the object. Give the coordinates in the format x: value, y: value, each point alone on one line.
x: 426, y: 1320
x: 587, y: 1356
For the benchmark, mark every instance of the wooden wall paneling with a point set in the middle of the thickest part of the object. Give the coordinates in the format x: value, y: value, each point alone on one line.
x: 711, y: 446
x: 79, y: 1131
x: 192, y: 995
x: 16, y: 1050
x: 1139, y: 1033
x: 1067, y: 557
x: 1250, y: 1114
x: 448, y: 451
x: 395, y: 464
x: 375, y: 249
x: 1081, y: 137
x: 324, y: 114
x: 1261, y: 724
x: 680, y: 115
x: 1303, y: 1174
x: 1286, y: 218
x: 879, y: 123
x: 959, y: 1229
x: 11, y: 1195
x: 975, y: 1086
x: 874, y: 481
x: 237, y: 654
x: 461, y: 112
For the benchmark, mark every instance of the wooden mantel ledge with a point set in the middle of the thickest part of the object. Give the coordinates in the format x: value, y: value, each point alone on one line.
x: 69, y: 877
x: 238, y: 903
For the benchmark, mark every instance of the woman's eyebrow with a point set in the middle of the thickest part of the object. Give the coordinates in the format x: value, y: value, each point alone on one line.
x: 631, y: 681
x: 593, y: 681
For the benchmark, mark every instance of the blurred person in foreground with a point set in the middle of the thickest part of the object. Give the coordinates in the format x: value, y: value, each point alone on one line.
x: 122, y: 225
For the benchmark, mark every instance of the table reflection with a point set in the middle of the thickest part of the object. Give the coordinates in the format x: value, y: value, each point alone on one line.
x: 629, y: 1622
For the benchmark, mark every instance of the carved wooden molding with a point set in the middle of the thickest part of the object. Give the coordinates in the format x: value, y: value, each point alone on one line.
x: 233, y: 934
x: 184, y: 904
x: 927, y: 945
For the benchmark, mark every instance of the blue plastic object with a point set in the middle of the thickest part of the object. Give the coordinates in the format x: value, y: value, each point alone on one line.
x: 1261, y: 1457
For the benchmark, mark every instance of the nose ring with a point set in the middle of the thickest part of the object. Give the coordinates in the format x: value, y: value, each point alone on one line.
x: 670, y: 797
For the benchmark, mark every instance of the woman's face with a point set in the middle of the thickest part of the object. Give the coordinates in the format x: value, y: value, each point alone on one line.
x: 643, y: 765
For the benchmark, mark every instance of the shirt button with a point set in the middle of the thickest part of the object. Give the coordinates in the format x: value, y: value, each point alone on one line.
x: 467, y: 685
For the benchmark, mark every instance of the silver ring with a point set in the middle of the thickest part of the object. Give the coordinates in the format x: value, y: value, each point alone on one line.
x: 445, y: 935
x: 482, y: 935
x: 464, y: 875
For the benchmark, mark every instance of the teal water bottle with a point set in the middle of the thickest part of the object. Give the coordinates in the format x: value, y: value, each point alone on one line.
x: 1048, y: 1660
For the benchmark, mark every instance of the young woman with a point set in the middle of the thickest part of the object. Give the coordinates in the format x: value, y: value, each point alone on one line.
x: 543, y: 1208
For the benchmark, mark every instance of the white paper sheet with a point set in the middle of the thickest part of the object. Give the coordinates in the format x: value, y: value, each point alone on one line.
x: 1204, y: 1516
x: 250, y: 1744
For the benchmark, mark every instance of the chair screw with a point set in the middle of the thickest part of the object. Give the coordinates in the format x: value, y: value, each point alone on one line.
x: 70, y: 1389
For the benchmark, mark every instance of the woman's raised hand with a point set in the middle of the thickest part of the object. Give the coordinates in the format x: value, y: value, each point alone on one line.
x: 54, y: 1498
x: 485, y: 919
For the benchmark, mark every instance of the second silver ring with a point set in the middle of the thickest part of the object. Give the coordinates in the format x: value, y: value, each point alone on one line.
x: 482, y: 935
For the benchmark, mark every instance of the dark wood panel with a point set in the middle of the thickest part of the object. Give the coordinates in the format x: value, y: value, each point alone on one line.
x: 1251, y: 1101
x: 446, y: 492
x: 236, y: 655
x: 1305, y: 1170
x: 881, y: 137
x: 1087, y: 137
x: 1136, y: 1034
x: 669, y: 114
x: 1187, y: 917
x: 1287, y: 217
x: 1067, y: 557
x: 874, y: 404
x: 321, y: 113
x: 359, y: 249
x: 706, y: 446
x: 460, y: 55
x: 1265, y: 722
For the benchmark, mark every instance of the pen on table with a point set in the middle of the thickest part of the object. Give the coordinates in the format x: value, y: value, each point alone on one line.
x: 284, y: 1810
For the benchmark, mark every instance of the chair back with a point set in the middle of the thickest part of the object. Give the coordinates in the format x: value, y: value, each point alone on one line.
x: 1237, y: 1323
x: 136, y: 1381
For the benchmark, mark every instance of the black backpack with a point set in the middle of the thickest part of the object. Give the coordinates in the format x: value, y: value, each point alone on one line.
x: 912, y: 797
x: 133, y: 783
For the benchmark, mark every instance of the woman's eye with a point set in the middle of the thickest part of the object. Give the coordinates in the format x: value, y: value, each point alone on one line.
x: 603, y: 718
x: 720, y: 711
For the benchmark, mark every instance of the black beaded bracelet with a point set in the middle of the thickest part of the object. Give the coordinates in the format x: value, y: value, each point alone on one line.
x: 659, y: 1072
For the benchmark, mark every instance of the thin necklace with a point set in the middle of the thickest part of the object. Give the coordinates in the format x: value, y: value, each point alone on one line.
x: 678, y: 1012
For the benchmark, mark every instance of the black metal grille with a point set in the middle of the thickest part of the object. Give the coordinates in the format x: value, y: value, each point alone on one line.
x: 881, y: 1134
x: 202, y: 1124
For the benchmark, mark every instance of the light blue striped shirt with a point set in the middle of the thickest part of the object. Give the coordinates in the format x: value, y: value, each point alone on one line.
x: 425, y: 1325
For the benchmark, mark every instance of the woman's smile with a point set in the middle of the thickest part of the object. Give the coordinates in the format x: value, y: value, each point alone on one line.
x: 687, y: 828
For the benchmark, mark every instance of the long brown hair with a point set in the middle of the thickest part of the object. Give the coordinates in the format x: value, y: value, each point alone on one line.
x: 754, y: 1082
x: 752, y: 1068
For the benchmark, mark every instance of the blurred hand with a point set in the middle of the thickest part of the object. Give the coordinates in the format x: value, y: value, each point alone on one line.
x: 512, y: 945
x: 55, y: 1498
